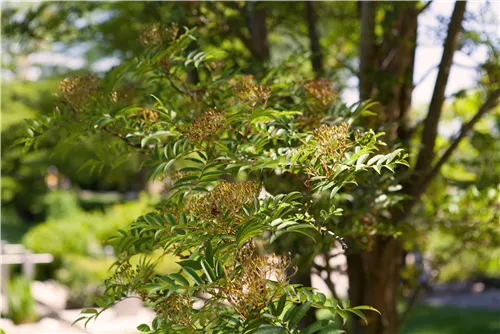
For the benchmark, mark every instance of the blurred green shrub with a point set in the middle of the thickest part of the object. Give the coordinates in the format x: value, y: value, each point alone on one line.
x: 472, y: 265
x: 77, y: 238
x: 81, y: 233
x: 61, y: 204
x: 465, y: 243
x: 21, y: 304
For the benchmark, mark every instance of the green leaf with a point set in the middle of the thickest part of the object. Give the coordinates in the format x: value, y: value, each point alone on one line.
x: 393, y: 155
x: 256, y: 204
x: 219, y: 270
x: 74, y: 322
x: 208, y: 270
x: 374, y: 159
x: 365, y: 307
x: 361, y: 160
x: 286, y: 224
x: 180, y: 279
x: 359, y: 314
x: 335, y: 190
x: 281, y: 304
x: 209, y: 253
x: 298, y: 313
x: 143, y: 328
x: 272, y: 308
x: 160, y: 104
x: 331, y: 329
x: 89, y: 311
x: 270, y: 329
x: 305, y: 229
x: 289, y: 312
x: 315, y: 327
x: 190, y: 263
x: 248, y: 230
x: 170, y: 218
x: 156, y: 136
x: 183, y: 218
x: 193, y: 275
x: 343, y: 315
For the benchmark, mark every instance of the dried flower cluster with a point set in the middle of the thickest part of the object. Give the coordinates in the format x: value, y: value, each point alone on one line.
x: 175, y: 308
x: 251, y: 93
x: 158, y: 35
x: 206, y: 126
x: 76, y: 90
x: 225, y: 200
x: 146, y: 116
x: 248, y: 291
x: 320, y: 90
x: 332, y: 139
x: 311, y: 121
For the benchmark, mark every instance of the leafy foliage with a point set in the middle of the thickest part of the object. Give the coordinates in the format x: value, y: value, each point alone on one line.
x: 213, y: 141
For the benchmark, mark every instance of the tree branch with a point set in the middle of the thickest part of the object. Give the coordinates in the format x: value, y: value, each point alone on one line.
x: 426, y: 74
x: 490, y: 103
x: 421, y: 10
x: 429, y: 134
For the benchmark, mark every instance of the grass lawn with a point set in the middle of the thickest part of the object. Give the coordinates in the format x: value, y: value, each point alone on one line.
x: 446, y: 320
x: 451, y: 320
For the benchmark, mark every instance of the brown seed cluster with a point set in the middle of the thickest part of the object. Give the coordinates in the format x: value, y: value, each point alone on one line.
x: 248, y: 291
x: 332, y: 140
x: 251, y: 93
x: 77, y: 90
x: 175, y: 308
x: 320, y: 90
x: 158, y: 35
x: 146, y: 116
x: 311, y: 121
x: 207, y: 126
x: 221, y: 206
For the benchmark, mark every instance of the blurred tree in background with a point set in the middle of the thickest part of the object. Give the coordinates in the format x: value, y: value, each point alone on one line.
x: 376, y: 42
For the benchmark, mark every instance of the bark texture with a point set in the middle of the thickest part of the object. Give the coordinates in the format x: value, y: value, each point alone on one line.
x: 316, y: 54
x: 256, y: 24
x: 367, y: 49
x: 374, y: 275
x: 386, y: 75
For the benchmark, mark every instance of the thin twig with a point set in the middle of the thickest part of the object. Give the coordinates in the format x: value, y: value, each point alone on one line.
x: 424, y: 8
x: 490, y: 103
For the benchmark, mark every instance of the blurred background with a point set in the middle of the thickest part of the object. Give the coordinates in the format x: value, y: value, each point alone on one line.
x: 57, y: 211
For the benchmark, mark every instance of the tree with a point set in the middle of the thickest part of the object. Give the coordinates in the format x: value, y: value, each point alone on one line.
x: 206, y: 137
x: 387, y: 75
x: 383, y: 36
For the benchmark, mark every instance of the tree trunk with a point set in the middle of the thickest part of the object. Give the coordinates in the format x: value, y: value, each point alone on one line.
x: 388, y: 78
x: 256, y: 24
x: 367, y: 48
x: 316, y: 55
x: 357, y: 282
x: 373, y: 280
